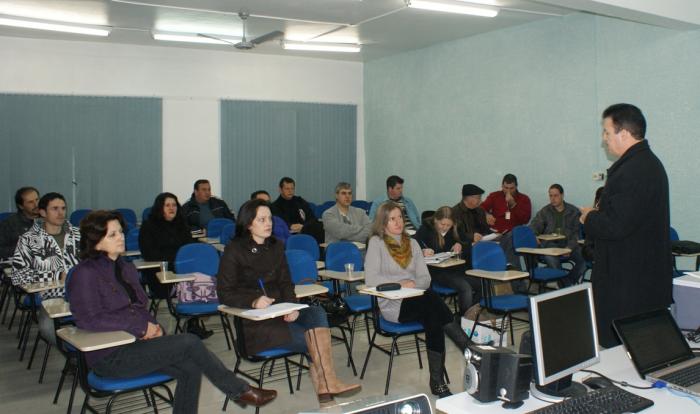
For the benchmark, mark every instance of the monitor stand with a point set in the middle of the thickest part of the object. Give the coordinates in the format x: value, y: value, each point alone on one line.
x: 557, y: 390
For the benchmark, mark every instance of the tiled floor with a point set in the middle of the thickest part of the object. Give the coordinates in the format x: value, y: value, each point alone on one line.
x: 20, y: 392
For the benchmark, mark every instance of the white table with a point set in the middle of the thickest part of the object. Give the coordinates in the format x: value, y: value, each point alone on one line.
x: 545, y: 251
x: 87, y: 341
x: 130, y: 253
x: 170, y: 277
x: 454, y: 261
x: 56, y: 308
x: 143, y: 264
x: 359, y: 245
x: 613, y: 363
x: 344, y: 276
x: 303, y: 291
x: 31, y: 289
x: 551, y: 237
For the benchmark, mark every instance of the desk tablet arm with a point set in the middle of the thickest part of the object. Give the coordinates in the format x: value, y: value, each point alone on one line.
x: 86, y: 341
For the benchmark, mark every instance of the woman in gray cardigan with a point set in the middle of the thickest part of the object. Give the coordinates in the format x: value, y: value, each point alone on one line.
x: 392, y: 256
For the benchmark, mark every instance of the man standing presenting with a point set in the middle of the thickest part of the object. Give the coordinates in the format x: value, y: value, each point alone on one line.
x: 561, y: 218
x: 343, y: 222
x: 633, y: 263
x: 202, y: 206
x: 27, y: 201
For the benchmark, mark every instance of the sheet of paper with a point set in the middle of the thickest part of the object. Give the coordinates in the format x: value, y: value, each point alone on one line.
x: 273, y: 311
x: 397, y: 294
x: 438, y: 257
x: 490, y: 237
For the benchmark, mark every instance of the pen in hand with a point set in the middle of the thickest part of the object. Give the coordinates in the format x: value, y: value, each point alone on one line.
x: 262, y: 286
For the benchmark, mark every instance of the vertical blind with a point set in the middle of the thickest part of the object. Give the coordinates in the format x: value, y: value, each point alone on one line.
x: 99, y: 152
x: 262, y: 142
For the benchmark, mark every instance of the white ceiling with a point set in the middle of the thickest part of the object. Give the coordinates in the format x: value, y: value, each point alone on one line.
x: 383, y: 27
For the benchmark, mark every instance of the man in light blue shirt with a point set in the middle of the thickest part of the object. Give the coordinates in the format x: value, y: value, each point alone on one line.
x: 394, y: 192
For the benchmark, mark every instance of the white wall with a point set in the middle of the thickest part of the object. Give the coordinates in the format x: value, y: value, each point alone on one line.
x: 190, y: 82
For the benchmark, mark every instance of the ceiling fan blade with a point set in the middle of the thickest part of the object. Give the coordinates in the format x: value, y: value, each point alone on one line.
x: 266, y: 37
x: 215, y: 38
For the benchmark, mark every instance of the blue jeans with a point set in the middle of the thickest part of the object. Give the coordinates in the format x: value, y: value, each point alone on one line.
x: 309, y: 318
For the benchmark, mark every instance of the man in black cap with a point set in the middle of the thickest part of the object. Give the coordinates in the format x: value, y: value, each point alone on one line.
x: 469, y: 218
x: 472, y: 225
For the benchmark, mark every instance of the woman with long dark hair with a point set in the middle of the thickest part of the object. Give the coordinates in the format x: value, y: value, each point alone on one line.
x: 106, y: 296
x: 160, y: 237
x: 253, y: 273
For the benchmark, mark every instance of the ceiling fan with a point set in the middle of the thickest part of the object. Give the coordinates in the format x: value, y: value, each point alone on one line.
x: 246, y: 44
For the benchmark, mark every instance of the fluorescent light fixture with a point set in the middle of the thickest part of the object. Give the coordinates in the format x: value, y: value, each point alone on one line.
x: 32, y: 24
x: 323, y: 47
x: 193, y: 38
x: 452, y: 7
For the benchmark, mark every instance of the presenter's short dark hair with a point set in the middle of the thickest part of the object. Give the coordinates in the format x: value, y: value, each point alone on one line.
x: 628, y: 117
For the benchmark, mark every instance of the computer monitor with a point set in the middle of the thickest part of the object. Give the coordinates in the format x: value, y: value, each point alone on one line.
x: 564, y: 340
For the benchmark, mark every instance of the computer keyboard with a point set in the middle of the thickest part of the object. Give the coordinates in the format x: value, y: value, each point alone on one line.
x: 608, y: 400
x: 685, y: 377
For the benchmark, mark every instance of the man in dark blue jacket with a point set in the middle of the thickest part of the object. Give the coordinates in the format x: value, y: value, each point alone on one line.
x: 202, y: 206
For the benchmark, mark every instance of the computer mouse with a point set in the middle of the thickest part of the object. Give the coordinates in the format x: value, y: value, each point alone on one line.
x: 597, y: 382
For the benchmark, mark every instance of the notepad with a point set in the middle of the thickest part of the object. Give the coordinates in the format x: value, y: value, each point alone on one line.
x: 490, y: 237
x: 438, y: 257
x: 273, y: 311
x: 395, y: 294
x: 694, y: 274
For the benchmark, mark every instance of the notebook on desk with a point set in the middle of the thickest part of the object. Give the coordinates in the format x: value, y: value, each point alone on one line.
x: 659, y: 351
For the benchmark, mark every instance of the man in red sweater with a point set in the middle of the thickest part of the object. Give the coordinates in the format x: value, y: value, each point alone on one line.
x: 507, y: 208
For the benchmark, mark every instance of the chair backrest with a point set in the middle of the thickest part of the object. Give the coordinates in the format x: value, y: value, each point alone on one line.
x: 197, y: 257
x: 340, y: 253
x: 5, y: 215
x: 215, y: 226
x: 365, y: 205
x: 227, y: 233
x: 488, y: 256
x: 674, y: 234
x: 78, y: 215
x: 523, y: 236
x: 302, y: 267
x: 132, y: 239
x: 280, y: 229
x: 304, y: 242
x: 145, y: 213
x: 129, y: 217
x: 318, y: 211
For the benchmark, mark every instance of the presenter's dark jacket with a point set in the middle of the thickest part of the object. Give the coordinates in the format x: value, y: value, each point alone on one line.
x: 242, y: 264
x: 632, y: 270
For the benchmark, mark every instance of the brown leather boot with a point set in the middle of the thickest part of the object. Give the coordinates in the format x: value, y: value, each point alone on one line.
x: 318, y: 341
x: 324, y: 397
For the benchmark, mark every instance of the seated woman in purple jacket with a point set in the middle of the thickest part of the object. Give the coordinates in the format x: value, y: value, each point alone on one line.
x: 105, y: 295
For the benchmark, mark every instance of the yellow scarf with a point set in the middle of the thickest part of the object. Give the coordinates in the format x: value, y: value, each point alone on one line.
x: 401, y: 253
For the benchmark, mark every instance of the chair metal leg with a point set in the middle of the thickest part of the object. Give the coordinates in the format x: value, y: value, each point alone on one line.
x: 147, y: 397
x: 153, y: 401
x: 349, y: 350
x: 223, y: 325
x: 391, y: 363
x: 420, y: 359
x: 60, y: 381
x: 369, y: 352
x: 289, y: 376
x: 74, y: 385
x: 44, y: 362
x: 31, y: 356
